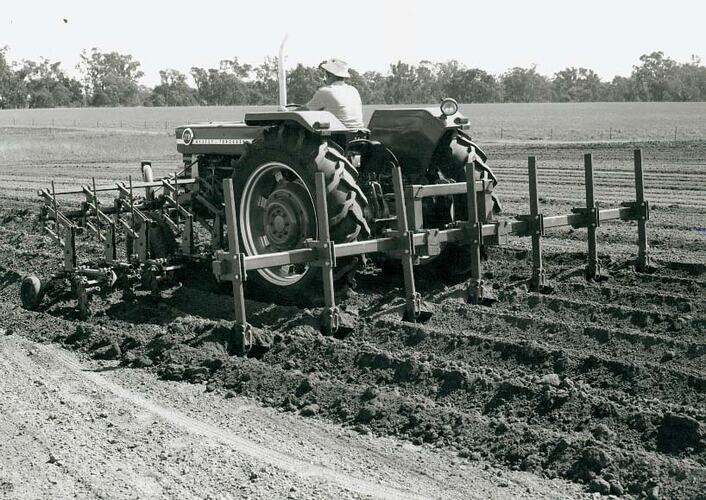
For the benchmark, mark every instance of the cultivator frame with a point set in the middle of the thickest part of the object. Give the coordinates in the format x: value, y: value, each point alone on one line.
x: 131, y: 216
x: 409, y: 241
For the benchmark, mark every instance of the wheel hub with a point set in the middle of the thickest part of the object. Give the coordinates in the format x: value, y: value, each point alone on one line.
x: 284, y: 214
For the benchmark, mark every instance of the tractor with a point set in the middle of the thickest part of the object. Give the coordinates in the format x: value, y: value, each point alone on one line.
x: 273, y: 158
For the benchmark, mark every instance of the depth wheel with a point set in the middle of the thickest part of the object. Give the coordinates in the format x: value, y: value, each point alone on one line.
x: 31, y: 292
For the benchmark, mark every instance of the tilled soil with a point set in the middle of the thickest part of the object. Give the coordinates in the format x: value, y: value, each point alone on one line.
x: 599, y: 383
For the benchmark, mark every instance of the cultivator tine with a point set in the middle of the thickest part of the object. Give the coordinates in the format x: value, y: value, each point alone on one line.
x: 538, y: 282
x: 643, y: 263
x: 415, y: 309
x: 331, y: 318
x: 176, y: 199
x: 243, y: 331
x: 478, y: 292
x: 593, y: 268
x: 95, y: 207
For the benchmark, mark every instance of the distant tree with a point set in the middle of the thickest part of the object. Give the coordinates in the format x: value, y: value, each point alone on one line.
x: 173, y: 90
x: 266, y: 87
x: 371, y: 86
x: 400, y: 84
x: 525, y: 85
x: 302, y: 82
x: 656, y: 78
x: 6, y: 80
x: 576, y: 85
x: 427, y: 88
x: 692, y: 78
x: 47, y: 85
x: 472, y: 85
x: 227, y: 85
x: 620, y: 89
x: 110, y: 79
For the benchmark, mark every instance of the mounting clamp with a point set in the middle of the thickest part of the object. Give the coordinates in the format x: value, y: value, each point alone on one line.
x: 640, y: 211
x: 591, y: 217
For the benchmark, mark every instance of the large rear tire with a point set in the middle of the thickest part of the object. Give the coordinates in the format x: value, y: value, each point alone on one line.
x: 275, y: 192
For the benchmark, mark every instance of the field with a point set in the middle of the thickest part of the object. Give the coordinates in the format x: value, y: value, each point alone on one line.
x: 540, y: 396
x: 628, y: 121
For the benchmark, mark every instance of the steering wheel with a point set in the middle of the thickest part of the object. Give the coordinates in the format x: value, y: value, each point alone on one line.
x: 293, y: 106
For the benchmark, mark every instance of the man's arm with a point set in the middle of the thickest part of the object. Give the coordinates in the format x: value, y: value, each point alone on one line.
x: 320, y: 101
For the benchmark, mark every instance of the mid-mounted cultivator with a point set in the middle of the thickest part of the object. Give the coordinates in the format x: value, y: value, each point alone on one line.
x: 410, y: 241
x: 158, y: 229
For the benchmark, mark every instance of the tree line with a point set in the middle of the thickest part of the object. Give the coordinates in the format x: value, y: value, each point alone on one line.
x: 112, y: 79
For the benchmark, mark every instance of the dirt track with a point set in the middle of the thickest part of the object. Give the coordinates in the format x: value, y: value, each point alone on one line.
x: 86, y: 430
x: 596, y: 381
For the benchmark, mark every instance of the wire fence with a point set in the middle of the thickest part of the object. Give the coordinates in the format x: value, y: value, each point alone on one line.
x: 493, y: 133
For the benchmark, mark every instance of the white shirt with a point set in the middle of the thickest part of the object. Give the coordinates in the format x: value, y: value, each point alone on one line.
x: 341, y: 100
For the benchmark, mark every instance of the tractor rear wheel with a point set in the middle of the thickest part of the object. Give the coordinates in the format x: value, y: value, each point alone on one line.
x: 275, y: 192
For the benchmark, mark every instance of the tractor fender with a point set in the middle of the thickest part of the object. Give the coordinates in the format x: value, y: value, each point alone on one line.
x: 318, y: 122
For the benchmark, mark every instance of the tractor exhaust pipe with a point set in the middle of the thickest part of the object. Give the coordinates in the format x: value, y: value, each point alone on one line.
x: 282, y: 76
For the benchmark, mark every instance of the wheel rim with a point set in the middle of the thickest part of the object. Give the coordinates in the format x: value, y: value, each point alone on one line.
x: 277, y: 214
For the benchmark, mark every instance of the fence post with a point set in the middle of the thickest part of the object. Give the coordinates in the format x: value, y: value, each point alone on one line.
x: 242, y: 330
x: 477, y: 292
x: 643, y: 258
x: 538, y: 282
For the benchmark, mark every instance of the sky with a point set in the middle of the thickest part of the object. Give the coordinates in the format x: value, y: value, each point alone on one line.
x: 495, y: 35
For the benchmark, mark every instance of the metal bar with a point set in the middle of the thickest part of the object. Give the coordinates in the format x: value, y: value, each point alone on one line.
x: 70, y: 249
x: 137, y: 185
x: 475, y: 286
x: 538, y: 280
x: 412, y: 298
x: 57, y: 239
x: 388, y: 244
x: 56, y: 210
x: 179, y: 207
x: 331, y: 314
x: 187, y: 236
x: 593, y: 266
x: 95, y: 204
x: 176, y: 198
x: 132, y: 203
x: 211, y: 208
x: 414, y: 209
x: 234, y: 249
x: 419, y: 191
x: 109, y: 249
x: 643, y: 258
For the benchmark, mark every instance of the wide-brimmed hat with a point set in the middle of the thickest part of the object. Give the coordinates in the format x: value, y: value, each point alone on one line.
x: 336, y: 67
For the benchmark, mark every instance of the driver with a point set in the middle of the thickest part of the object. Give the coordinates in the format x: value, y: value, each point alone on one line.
x: 337, y: 97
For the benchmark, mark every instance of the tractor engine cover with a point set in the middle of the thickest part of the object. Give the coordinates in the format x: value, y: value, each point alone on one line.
x: 413, y: 135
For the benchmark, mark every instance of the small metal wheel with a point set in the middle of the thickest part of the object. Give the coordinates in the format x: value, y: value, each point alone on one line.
x: 31, y: 292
